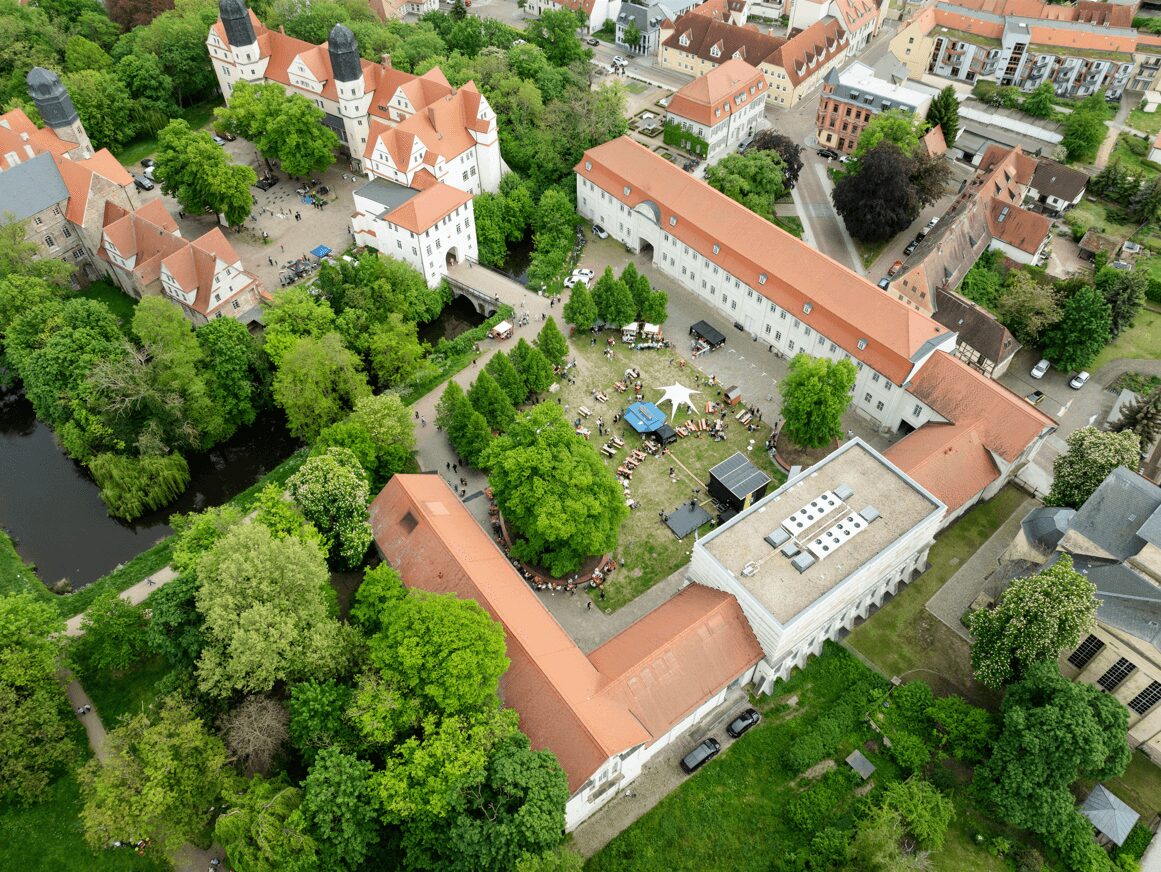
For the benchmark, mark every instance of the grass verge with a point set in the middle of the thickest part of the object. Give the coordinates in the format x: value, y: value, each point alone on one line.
x: 118, y: 302
x: 1142, y: 341
x: 792, y: 224
x: 16, y: 576
x: 197, y: 116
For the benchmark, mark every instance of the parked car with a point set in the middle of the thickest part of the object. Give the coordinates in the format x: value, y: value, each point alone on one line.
x: 884, y: 283
x: 700, y: 755
x: 581, y: 272
x: 619, y: 61
x: 592, y: 40
x: 895, y: 267
x: 266, y: 184
x: 1035, y: 398
x: 574, y: 280
x: 147, y: 162
x: 224, y: 134
x: 142, y: 183
x: 1079, y: 381
x: 743, y: 722
x: 148, y: 173
x: 829, y: 153
x: 910, y: 247
x: 218, y: 140
x: 931, y: 224
x: 1041, y: 367
x: 601, y: 232
x: 744, y: 144
x: 845, y: 158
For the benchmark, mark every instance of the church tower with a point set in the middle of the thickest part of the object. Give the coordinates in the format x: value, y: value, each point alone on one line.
x: 57, y: 110
x: 354, y: 101
x: 236, y: 21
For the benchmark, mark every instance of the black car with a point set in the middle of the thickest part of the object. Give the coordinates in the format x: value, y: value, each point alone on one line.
x: 829, y: 153
x: 147, y: 162
x: 700, y: 755
x: 910, y: 247
x: 142, y: 183
x: 743, y: 722
x: 266, y: 184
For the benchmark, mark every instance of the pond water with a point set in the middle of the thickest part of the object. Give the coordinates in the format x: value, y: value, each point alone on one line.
x: 519, y: 257
x: 457, y: 317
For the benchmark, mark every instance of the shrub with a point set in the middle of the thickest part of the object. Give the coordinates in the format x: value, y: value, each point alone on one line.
x: 808, y: 810
x: 910, y: 751
x: 1136, y: 145
x: 829, y: 847
x: 1028, y: 859
x: 1135, y: 844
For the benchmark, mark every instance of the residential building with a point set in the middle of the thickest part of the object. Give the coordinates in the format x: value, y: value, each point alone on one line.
x: 652, y: 21
x: 793, y: 67
x: 1056, y: 187
x: 53, y: 183
x: 793, y: 299
x: 723, y: 107
x: 596, y: 12
x: 982, y: 342
x: 391, y: 124
x: 389, y: 10
x: 1081, y: 49
x: 852, y: 97
x: 431, y: 229
x: 605, y: 714
x: 859, y: 18
x: 1115, y: 540
x: 146, y: 255
x: 807, y: 561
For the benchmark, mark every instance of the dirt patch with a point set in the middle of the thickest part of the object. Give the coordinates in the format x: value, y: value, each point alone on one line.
x: 864, y: 788
x: 790, y: 454
x: 871, y: 746
x: 817, y: 770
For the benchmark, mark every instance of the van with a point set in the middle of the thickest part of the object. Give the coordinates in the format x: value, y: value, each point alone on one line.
x: 700, y: 755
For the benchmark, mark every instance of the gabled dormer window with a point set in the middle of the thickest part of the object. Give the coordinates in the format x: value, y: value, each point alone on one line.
x: 684, y: 40
x: 588, y: 165
x: 762, y: 279
x: 672, y: 220
x: 806, y: 308
x: 717, y: 248
x: 716, y: 51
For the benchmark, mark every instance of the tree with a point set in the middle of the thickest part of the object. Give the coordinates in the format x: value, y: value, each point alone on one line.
x: 1092, y: 454
x: 489, y: 399
x: 200, y: 175
x: 533, y: 367
x: 449, y: 403
x: 898, y: 126
x: 296, y: 313
x: 1084, y: 129
x: 786, y: 148
x: 1026, y: 306
x: 132, y: 486
x: 876, y: 844
x: 114, y: 635
x: 283, y: 126
x: 157, y: 778
x: 470, y: 435
x: 491, y: 238
x: 21, y: 263
x: 878, y: 200
x: 1075, y: 340
x: 104, y: 106
x: 84, y: 54
x: 1143, y: 417
x: 235, y: 377
x: 580, y: 311
x: 269, y: 614
x: 551, y: 341
x: 632, y: 34
x: 254, y: 732
x: 317, y: 382
x: 1040, y: 103
x: 34, y: 740
x: 1053, y: 731
x: 131, y: 13
x: 1035, y: 619
x: 318, y: 718
x: 754, y: 179
x: 391, y: 429
x: 175, y: 625
x: 815, y: 393
x: 555, y: 33
x: 656, y: 308
x: 925, y: 811
x: 331, y: 489
x: 944, y: 112
x: 614, y: 301
x: 966, y: 731
x: 1124, y: 291
x: 337, y: 806
x: 554, y: 491
x: 394, y: 350
x: 510, y: 381
x: 263, y: 828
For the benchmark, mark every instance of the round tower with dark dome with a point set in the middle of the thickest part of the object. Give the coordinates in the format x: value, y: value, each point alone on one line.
x: 344, y: 52
x: 236, y: 21
x: 56, y: 108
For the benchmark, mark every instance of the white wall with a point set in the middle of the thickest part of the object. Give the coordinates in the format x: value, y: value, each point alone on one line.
x: 427, y: 251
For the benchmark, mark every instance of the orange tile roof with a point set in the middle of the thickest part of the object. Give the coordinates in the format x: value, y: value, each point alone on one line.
x: 18, y: 134
x: 857, y: 14
x: 630, y: 692
x: 934, y: 143
x: 845, y: 307
x: 808, y: 51
x: 427, y: 207
x: 1099, y: 15
x: 1018, y: 227
x: 716, y: 91
x: 156, y: 212
x: 954, y: 460
x: 78, y: 178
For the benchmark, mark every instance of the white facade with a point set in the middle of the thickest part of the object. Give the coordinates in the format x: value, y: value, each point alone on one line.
x: 598, y: 13
x: 724, y: 135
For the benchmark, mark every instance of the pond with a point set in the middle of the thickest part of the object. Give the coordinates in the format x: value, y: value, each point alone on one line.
x: 519, y: 257
x: 457, y: 317
x: 53, y: 510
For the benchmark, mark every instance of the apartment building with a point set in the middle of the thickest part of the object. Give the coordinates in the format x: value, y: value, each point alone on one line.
x: 852, y: 97
x: 723, y: 107
x: 860, y: 18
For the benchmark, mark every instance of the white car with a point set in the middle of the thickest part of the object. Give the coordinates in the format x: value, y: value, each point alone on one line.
x: 600, y: 231
x: 619, y: 61
x: 1079, y: 381
x: 1040, y: 368
x: 586, y: 274
x: 574, y: 280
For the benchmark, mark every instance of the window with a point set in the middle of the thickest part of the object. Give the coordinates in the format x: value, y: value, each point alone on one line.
x: 862, y: 344
x: 1146, y: 699
x: 806, y: 308
x: 781, y: 314
x: 778, y: 335
x: 673, y: 221
x: 867, y: 398
x: 879, y: 405
x: 791, y: 344
x: 717, y: 248
x: 67, y: 233
x: 50, y: 242
x: 1087, y: 650
x: 236, y: 305
x: 1115, y: 674
x: 917, y: 411
x: 588, y: 164
x: 762, y: 279
x: 875, y: 377
x: 627, y: 190
x: 37, y: 221
x: 749, y: 293
x: 767, y: 329
x: 821, y: 339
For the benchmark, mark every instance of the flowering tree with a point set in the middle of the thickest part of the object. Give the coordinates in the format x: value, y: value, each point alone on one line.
x: 332, y: 491
x: 1092, y: 454
x: 1036, y: 618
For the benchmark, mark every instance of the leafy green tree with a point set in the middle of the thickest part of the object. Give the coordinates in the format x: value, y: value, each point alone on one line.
x: 554, y: 491
x: 263, y: 828
x: 235, y: 376
x: 84, y: 54
x: 1075, y: 340
x: 177, y: 38
x: 150, y: 89
x: 175, y: 625
x: 156, y: 779
x: 1084, y: 129
x: 786, y: 148
x: 337, y: 806
x: 754, y: 179
x: 878, y: 199
x: 34, y: 739
x: 1026, y: 306
x: 283, y: 126
x: 20, y: 262
x: 815, y: 393
x: 552, y: 343
x: 983, y: 283
x: 1054, y: 731
x: 1143, y: 417
x: 489, y: 399
x: 198, y: 532
x: 555, y: 33
x: 944, y: 113
x: 925, y: 811
x: 580, y: 311
x: 491, y: 240
x: 269, y: 614
x: 449, y: 402
x: 200, y: 175
x: 501, y: 369
x: 875, y: 846
x: 1040, y: 102
x: 1124, y: 291
x: 1092, y: 454
x: 132, y: 486
x: 632, y: 34
x: 470, y: 435
x: 613, y: 300
x: 114, y: 635
x: 965, y: 730
x: 380, y: 432
x: 332, y: 491
x: 533, y: 367
x: 898, y: 126
x: 318, y: 718
x: 1035, y: 619
x: 295, y: 313
x: 103, y: 104
x: 317, y: 383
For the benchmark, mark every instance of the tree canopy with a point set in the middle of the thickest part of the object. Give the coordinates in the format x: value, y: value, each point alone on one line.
x: 283, y: 126
x: 1083, y: 329
x: 815, y: 393
x: 944, y: 113
x: 878, y: 199
x: 317, y: 383
x: 1092, y: 454
x: 755, y: 179
x: 200, y: 175
x: 786, y: 148
x: 332, y: 490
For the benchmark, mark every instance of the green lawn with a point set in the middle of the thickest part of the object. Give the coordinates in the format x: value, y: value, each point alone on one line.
x: 120, y: 304
x: 1141, y: 341
x: 116, y: 695
x: 870, y: 251
x: 634, y: 87
x: 903, y: 637
x: 1146, y: 122
x: 1140, y: 786
x: 1139, y: 165
x: 46, y: 837
x: 792, y: 224
x: 1092, y: 212
x: 143, y: 146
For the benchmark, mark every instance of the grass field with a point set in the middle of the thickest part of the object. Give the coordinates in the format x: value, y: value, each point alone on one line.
x: 1141, y: 341
x: 870, y: 251
x: 16, y: 576
x: 903, y: 637
x: 648, y: 551
x: 117, y: 695
x: 120, y: 304
x: 1139, y: 165
x: 1146, y: 122
x: 1140, y: 786
x: 143, y: 146
x: 1092, y: 212
x: 792, y: 224
x: 736, y: 813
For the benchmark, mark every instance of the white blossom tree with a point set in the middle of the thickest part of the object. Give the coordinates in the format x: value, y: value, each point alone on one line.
x: 1092, y: 454
x: 331, y: 489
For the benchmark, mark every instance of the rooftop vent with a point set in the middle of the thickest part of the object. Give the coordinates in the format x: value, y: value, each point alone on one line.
x: 870, y: 514
x: 802, y: 562
x: 818, y: 508
x: 829, y: 541
x: 844, y: 492
x: 749, y: 569
x: 790, y: 549
x: 778, y: 538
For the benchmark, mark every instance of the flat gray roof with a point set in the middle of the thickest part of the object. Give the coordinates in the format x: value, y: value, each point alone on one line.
x: 30, y: 187
x: 769, y: 575
x: 389, y: 195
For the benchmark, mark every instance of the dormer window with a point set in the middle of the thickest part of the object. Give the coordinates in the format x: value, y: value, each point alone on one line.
x: 762, y: 279
x: 717, y: 248
x: 862, y: 344
x: 588, y: 165
x: 806, y: 308
x: 716, y: 51
x: 672, y: 220
x: 627, y: 190
x: 684, y: 39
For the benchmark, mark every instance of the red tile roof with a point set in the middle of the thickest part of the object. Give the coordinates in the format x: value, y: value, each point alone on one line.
x: 585, y: 711
x: 808, y: 51
x: 716, y: 90
x: 1103, y: 15
x: 703, y: 33
x: 18, y: 134
x: 427, y: 207
x: 78, y: 178
x: 845, y: 307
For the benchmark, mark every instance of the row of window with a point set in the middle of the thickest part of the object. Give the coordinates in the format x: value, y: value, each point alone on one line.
x: 1115, y: 675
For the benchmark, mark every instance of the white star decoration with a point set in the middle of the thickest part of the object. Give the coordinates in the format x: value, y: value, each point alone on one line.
x: 679, y: 395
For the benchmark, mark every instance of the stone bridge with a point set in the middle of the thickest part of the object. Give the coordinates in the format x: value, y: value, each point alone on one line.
x: 486, y: 289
